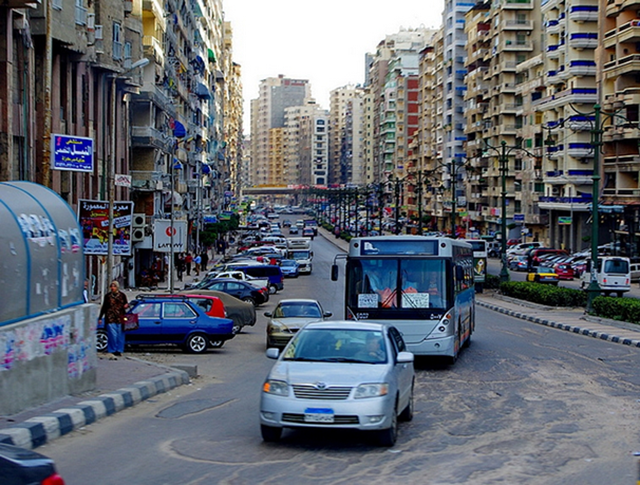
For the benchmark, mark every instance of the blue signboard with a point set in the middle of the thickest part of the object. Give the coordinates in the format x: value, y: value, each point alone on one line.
x: 74, y: 153
x: 518, y: 217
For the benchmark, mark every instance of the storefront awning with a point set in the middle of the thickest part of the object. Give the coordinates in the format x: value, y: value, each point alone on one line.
x: 202, y: 91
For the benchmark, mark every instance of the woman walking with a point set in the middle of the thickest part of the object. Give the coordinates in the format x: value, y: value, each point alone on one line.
x: 113, y: 310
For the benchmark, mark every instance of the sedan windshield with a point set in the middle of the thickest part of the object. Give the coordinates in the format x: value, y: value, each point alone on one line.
x: 338, y: 345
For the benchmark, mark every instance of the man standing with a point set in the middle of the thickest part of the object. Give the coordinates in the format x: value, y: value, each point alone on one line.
x: 113, y: 309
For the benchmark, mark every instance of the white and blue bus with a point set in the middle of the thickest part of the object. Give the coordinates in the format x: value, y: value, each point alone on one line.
x: 422, y: 285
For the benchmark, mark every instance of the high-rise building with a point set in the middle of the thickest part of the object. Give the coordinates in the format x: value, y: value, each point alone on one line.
x: 346, y: 157
x: 267, y: 125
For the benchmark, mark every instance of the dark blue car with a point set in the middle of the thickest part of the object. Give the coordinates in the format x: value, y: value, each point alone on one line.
x: 173, y: 319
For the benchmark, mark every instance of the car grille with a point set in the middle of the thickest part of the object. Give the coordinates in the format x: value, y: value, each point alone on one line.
x: 312, y: 392
x: 337, y: 419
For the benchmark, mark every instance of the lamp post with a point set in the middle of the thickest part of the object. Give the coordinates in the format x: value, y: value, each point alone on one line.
x: 454, y: 201
x: 503, y: 153
x: 111, y: 172
x: 397, y: 184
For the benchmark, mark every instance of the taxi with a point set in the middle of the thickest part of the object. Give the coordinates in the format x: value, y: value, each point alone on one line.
x: 543, y: 274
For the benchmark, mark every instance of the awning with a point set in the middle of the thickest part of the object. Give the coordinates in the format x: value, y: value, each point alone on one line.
x: 179, y: 131
x: 212, y: 56
x: 202, y: 91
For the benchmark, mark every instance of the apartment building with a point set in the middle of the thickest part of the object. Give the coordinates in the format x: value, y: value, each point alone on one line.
x: 346, y: 157
x: 512, y: 40
x: 619, y: 72
x: 268, y: 113
x: 570, y: 36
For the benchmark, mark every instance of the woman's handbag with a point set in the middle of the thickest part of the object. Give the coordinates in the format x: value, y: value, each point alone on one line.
x: 130, y: 322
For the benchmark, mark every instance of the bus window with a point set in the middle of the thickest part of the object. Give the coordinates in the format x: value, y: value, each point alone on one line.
x: 422, y: 284
x: 374, y: 283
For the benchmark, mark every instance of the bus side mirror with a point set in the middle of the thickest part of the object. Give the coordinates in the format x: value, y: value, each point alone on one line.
x: 334, y: 272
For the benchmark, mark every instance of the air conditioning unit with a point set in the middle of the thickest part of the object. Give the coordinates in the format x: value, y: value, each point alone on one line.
x: 98, y: 32
x: 139, y: 220
x: 128, y: 6
x: 137, y: 234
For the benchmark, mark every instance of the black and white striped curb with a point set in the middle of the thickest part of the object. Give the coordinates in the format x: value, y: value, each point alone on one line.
x: 39, y: 430
x: 563, y: 326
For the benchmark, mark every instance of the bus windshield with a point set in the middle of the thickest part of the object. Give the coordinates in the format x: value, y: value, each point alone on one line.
x: 397, y: 283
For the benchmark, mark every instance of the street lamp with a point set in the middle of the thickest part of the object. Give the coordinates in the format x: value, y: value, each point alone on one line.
x: 397, y: 185
x: 503, y: 153
x: 111, y: 172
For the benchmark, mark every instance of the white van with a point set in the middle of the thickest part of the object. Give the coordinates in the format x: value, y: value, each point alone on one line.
x: 613, y: 274
x: 635, y: 272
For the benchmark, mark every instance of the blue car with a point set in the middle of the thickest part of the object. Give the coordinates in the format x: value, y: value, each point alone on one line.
x: 290, y: 268
x: 172, y: 319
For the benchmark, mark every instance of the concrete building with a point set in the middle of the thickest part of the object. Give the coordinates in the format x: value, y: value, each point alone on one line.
x: 618, y: 64
x: 346, y: 143
x: 267, y: 114
x: 570, y: 37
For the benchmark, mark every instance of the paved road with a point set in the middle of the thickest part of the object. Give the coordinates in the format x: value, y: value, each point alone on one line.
x: 524, y: 404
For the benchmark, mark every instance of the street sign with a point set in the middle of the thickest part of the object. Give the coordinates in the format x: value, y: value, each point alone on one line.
x: 162, y: 236
x: 564, y: 220
x: 518, y: 217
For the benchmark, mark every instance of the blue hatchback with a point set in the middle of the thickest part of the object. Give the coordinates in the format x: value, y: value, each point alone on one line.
x: 290, y: 268
x: 172, y: 319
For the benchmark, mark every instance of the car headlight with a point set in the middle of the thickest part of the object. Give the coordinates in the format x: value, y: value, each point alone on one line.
x: 275, y: 326
x: 280, y: 388
x: 371, y: 390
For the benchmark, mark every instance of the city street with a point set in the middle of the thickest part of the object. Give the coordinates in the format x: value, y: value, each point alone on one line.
x: 525, y: 404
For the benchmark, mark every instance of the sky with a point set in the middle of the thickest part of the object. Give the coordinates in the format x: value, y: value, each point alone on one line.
x: 324, y: 41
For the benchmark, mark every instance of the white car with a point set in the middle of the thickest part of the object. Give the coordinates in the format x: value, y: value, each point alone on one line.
x: 339, y: 374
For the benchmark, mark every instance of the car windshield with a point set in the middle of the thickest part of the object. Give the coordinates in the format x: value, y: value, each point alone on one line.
x: 543, y: 269
x: 338, y: 345
x: 299, y: 309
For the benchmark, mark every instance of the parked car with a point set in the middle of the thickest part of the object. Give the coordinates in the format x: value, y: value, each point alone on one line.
x: 338, y: 375
x: 242, y: 313
x: 19, y: 466
x: 289, y: 317
x: 613, y: 274
x: 258, y: 270
x: 513, y: 242
x: 543, y: 274
x: 290, y: 268
x: 635, y: 272
x: 564, y: 271
x: 518, y: 263
x: 240, y: 289
x: 172, y: 319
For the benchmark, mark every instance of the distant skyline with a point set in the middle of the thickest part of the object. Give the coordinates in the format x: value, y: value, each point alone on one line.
x: 324, y: 42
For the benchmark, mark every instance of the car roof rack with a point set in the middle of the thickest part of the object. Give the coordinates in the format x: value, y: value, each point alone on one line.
x: 152, y: 296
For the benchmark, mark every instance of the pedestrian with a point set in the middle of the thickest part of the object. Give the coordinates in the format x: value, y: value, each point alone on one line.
x: 205, y: 260
x: 188, y: 259
x: 85, y: 291
x: 180, y: 266
x: 196, y: 261
x: 113, y: 310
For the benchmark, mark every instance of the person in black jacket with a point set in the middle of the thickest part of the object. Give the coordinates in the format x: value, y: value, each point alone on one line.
x: 113, y: 309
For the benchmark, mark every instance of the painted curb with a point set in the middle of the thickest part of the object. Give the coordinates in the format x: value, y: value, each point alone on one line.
x: 563, y: 326
x: 39, y: 430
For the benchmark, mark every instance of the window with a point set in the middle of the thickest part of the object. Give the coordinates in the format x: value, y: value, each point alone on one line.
x: 117, y: 41
x: 178, y: 310
x: 147, y: 310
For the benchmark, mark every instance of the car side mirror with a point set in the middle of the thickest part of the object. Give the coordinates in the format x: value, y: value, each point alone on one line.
x: 273, y: 353
x: 334, y: 272
x: 327, y: 314
x: 268, y: 314
x: 404, y: 357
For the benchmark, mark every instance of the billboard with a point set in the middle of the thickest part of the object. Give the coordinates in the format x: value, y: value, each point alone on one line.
x: 93, y: 216
x: 162, y: 236
x: 73, y: 153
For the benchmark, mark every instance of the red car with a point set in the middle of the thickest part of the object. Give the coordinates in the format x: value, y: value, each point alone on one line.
x: 212, y: 305
x: 564, y: 271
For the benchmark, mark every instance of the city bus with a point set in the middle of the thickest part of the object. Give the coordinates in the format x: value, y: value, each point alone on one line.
x: 424, y: 286
x: 479, y: 247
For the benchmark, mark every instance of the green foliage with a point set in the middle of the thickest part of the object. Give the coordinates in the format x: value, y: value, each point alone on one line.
x: 544, y: 294
x: 625, y: 309
x: 211, y: 232
x: 492, y: 282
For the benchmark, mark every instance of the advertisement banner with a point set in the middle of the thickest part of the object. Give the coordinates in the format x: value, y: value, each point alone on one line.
x: 162, y: 236
x: 72, y: 153
x: 93, y: 216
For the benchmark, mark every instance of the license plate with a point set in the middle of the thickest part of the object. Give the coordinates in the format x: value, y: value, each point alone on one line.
x: 318, y: 415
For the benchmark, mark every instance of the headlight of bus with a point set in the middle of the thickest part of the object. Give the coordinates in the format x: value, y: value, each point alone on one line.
x: 279, y: 388
x: 371, y: 390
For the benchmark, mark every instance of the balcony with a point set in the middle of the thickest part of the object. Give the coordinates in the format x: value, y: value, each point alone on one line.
x: 517, y: 46
x: 518, y: 25
x: 580, y: 150
x: 572, y: 95
x: 580, y: 123
x: 518, y: 4
x: 623, y: 163
x: 582, y: 68
x: 583, y: 40
x: 625, y: 65
x: 147, y: 136
x: 553, y: 51
x: 628, y: 32
x: 153, y: 48
x: 146, y: 180
x: 583, y: 13
x: 552, y: 27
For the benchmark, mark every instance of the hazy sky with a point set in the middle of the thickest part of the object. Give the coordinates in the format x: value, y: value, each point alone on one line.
x: 324, y: 41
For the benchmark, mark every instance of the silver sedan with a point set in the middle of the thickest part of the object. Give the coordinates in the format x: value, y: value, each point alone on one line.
x: 339, y: 374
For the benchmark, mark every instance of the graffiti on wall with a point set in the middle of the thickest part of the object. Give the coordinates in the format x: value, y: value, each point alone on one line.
x: 40, y: 339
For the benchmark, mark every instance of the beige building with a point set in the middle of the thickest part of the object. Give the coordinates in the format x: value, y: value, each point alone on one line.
x: 346, y: 140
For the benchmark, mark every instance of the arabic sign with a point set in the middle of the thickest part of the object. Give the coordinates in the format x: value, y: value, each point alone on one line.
x: 93, y: 216
x: 74, y: 153
x: 162, y: 236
